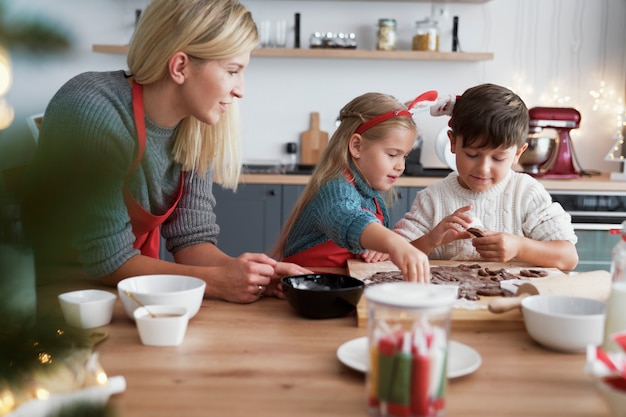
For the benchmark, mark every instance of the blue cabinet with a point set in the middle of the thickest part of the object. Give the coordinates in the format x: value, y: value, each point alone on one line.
x: 250, y: 218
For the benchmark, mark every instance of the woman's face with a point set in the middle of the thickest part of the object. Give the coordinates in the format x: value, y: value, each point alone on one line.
x: 212, y: 85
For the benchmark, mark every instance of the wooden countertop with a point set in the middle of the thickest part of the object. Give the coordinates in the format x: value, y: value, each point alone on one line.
x: 595, y: 183
x: 262, y: 359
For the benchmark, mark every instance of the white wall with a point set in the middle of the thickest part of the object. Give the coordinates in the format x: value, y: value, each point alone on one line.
x: 538, y: 45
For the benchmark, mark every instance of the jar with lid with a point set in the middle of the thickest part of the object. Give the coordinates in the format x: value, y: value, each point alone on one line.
x: 386, y: 37
x: 426, y: 37
x: 615, y: 319
x: 408, y: 329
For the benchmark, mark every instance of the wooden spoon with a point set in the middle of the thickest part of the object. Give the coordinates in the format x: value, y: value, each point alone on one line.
x: 132, y: 296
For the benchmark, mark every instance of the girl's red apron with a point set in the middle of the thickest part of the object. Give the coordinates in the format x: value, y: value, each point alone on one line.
x: 328, y: 254
x: 146, y: 226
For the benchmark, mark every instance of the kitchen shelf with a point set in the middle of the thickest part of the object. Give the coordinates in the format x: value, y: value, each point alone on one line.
x: 341, y: 54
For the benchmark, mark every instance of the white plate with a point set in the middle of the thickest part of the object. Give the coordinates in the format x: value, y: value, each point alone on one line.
x: 462, y: 359
x: 442, y: 147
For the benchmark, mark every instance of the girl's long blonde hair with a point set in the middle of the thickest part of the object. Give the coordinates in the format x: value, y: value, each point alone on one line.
x: 336, y: 158
x: 204, y: 29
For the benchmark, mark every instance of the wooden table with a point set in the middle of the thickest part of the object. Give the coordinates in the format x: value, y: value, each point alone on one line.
x: 262, y: 359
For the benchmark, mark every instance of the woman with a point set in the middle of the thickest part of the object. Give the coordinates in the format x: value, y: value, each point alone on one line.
x: 125, y: 157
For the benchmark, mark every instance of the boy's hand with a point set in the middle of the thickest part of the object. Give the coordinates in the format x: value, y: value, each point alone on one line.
x: 497, y: 246
x: 451, y: 228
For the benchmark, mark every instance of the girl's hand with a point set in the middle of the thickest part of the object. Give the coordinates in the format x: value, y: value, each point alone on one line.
x: 372, y: 256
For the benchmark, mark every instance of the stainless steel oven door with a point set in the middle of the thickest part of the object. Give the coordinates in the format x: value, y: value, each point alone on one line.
x: 595, y: 243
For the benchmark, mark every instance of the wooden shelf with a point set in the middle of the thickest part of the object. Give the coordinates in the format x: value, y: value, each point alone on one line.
x: 341, y: 54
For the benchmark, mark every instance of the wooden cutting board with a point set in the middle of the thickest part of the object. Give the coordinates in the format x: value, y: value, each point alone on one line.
x: 312, y: 142
x: 474, y: 310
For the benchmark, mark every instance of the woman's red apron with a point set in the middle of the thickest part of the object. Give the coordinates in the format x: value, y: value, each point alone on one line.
x: 146, y: 226
x: 328, y: 254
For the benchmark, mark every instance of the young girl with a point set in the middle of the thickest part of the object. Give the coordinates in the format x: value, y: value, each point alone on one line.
x: 342, y: 214
x: 488, y: 131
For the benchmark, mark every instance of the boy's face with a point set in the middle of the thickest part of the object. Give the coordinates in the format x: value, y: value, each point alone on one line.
x: 481, y: 168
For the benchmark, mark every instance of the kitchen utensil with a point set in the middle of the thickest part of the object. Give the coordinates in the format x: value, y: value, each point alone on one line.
x: 565, y: 323
x: 167, y: 327
x: 540, y: 149
x: 594, y: 284
x: 313, y: 142
x: 86, y: 309
x: 322, y: 296
x: 408, y: 329
x: 165, y: 289
x: 562, y: 119
x: 132, y: 296
x: 443, y: 149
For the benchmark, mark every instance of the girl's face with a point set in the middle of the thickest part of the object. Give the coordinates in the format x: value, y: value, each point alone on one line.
x: 481, y: 168
x: 380, y: 163
x: 213, y: 85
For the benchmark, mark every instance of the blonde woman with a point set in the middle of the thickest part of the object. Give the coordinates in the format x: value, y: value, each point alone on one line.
x: 126, y: 157
x: 341, y: 213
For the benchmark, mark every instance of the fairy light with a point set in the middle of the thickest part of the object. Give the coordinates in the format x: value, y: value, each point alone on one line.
x: 554, y: 98
x: 42, y: 393
x: 604, y: 98
x: 7, y: 400
x: 6, y: 80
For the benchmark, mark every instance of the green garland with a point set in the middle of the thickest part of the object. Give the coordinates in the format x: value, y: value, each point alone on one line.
x: 33, y: 34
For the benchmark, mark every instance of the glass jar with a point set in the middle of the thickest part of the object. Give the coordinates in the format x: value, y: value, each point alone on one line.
x: 426, y: 37
x: 408, y: 327
x: 386, y: 38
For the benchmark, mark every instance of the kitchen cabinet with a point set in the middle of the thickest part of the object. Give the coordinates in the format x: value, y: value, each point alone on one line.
x: 405, y: 197
x: 250, y: 218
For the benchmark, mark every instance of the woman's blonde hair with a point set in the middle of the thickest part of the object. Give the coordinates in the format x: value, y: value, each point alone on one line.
x: 336, y: 158
x: 207, y: 30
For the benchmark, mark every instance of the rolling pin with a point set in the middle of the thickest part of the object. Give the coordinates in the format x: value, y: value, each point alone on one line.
x: 594, y: 284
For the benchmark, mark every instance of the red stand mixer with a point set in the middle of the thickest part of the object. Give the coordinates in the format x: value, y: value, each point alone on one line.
x: 561, y: 119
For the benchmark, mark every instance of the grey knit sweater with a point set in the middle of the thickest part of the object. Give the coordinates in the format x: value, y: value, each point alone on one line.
x: 86, y: 147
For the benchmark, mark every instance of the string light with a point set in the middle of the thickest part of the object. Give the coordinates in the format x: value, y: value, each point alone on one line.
x: 554, y: 98
x: 6, y: 80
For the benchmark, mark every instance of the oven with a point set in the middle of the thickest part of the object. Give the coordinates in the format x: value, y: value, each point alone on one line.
x: 594, y: 215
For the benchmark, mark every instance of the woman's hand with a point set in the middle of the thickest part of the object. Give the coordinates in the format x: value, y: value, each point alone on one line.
x: 283, y: 269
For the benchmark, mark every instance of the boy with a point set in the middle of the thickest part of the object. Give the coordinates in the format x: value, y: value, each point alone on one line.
x: 489, y: 126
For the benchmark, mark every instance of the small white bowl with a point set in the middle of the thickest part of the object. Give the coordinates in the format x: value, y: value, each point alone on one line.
x: 87, y: 309
x: 614, y: 397
x: 564, y: 323
x: 162, y: 289
x: 166, y: 329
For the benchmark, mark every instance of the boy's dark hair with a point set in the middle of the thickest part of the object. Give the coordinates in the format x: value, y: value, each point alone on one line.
x: 490, y: 116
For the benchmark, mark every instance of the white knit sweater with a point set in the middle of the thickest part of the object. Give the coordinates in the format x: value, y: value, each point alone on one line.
x: 519, y: 205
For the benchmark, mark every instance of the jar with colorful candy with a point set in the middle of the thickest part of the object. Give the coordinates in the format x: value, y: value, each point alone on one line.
x: 408, y: 327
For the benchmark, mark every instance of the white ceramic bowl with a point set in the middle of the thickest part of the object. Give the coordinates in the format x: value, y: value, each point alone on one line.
x: 167, y: 328
x: 87, y: 309
x: 177, y: 290
x: 564, y: 323
x: 614, y: 394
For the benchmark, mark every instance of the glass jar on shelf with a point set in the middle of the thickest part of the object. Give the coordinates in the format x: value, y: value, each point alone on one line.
x: 426, y: 37
x: 386, y: 37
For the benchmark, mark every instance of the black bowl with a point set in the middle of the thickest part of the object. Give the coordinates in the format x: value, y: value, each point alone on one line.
x: 322, y: 296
